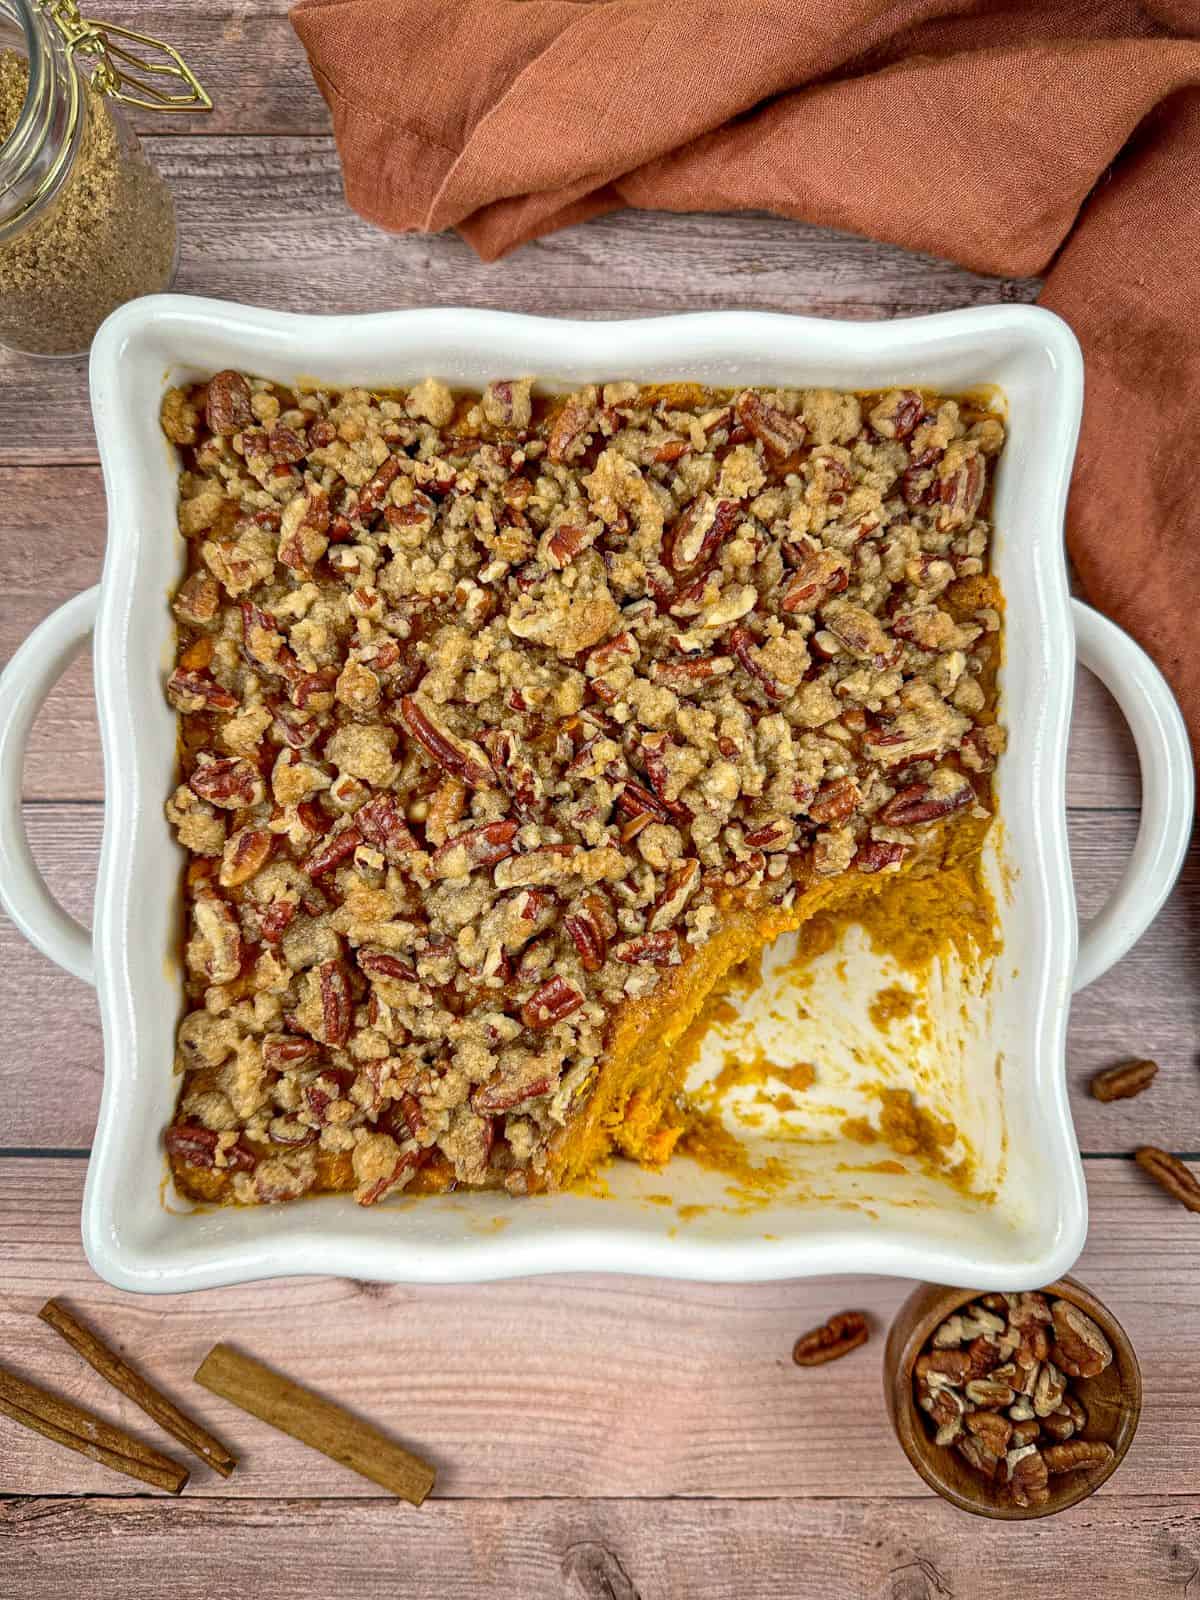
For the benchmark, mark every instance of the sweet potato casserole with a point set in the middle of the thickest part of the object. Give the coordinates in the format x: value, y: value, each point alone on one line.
x: 509, y: 722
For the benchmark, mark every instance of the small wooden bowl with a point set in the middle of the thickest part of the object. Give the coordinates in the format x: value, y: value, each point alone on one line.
x: 1113, y: 1402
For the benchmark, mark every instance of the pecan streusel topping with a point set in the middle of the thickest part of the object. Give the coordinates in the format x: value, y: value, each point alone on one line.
x: 489, y: 703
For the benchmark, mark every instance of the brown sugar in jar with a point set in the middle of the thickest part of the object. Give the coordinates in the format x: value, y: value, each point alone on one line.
x: 86, y: 222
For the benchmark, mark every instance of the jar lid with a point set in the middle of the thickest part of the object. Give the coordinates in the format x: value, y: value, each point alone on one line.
x: 132, y: 68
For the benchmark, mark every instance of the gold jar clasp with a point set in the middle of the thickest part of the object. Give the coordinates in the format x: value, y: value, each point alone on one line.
x: 132, y: 68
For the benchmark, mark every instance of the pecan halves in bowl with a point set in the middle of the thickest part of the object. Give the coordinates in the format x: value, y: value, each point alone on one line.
x: 832, y: 1340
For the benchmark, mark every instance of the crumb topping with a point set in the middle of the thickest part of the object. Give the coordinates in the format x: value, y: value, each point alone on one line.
x: 489, y: 702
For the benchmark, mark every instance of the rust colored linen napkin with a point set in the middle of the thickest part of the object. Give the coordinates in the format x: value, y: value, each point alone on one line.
x: 1055, y: 137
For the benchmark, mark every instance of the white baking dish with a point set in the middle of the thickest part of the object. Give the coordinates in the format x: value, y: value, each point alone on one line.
x: 1005, y: 1065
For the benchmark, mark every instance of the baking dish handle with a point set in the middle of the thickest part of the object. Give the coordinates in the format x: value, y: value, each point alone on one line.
x: 24, y: 685
x: 1165, y: 758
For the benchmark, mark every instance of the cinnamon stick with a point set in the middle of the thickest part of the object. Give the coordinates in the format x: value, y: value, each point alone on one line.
x: 76, y: 1429
x: 305, y: 1416
x: 116, y: 1370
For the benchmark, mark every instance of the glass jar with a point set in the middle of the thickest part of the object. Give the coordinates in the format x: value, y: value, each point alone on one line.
x: 86, y: 222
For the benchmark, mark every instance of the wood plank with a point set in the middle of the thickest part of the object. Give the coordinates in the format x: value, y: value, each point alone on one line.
x: 264, y: 220
x: 61, y: 509
x: 1148, y: 1004
x: 576, y: 1386
x: 52, y: 533
x: 248, y: 57
x: 1109, y: 1548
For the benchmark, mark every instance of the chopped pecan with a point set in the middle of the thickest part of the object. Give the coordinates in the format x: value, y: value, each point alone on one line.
x: 285, y: 444
x: 549, y: 1003
x: 634, y: 799
x: 198, y: 691
x: 564, y: 544
x: 282, y: 1051
x: 621, y: 650
x: 412, y: 1116
x: 954, y: 1365
x: 476, y: 847
x: 313, y: 691
x: 977, y: 1455
x: 408, y: 1162
x: 305, y: 534
x: 1049, y: 1388
x: 458, y: 759
x: 989, y: 1393
x: 741, y: 642
x: 653, y: 754
x: 832, y: 1340
x: 573, y: 422
x: 330, y: 1084
x: 371, y: 495
x: 333, y: 850
x: 383, y: 964
x: 381, y: 823
x: 819, y: 575
x: 698, y: 533
x: 335, y: 1002
x: 738, y: 874
x: 919, y: 803
x: 446, y: 807
x: 417, y: 514
x: 691, y: 672
x: 862, y: 634
x: 246, y: 853
x: 660, y: 949
x: 947, y: 1408
x: 779, y: 434
x: 197, y: 600
x: 877, y: 855
x: 227, y: 404
x: 682, y: 881
x: 918, y: 481
x: 276, y: 919
x: 961, y: 490
x: 835, y: 802
x: 196, y: 1146
x: 589, y: 924
x: 984, y: 1356
x: 513, y: 766
x: 896, y: 416
x: 671, y: 450
x: 635, y: 825
x: 502, y: 1093
x: 227, y: 781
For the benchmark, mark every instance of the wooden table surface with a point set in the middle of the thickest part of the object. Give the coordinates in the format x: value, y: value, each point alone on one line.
x: 593, y: 1437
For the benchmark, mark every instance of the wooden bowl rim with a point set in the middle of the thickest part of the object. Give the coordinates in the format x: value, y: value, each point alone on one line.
x: 930, y: 1304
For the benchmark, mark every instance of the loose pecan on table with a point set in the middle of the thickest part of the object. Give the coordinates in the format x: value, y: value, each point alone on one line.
x: 1174, y: 1175
x: 832, y: 1340
x: 1124, y: 1080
